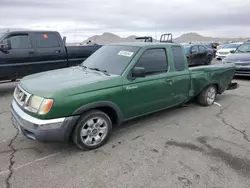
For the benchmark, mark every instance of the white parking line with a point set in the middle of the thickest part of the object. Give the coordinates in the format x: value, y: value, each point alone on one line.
x: 217, y: 104
x: 35, y: 161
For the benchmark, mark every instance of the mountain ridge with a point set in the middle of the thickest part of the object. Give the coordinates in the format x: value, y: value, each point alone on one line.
x: 184, y: 38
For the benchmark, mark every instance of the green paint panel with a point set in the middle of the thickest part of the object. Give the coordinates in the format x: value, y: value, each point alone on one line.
x: 74, y: 87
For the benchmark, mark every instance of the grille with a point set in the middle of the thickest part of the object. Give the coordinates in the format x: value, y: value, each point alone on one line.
x: 21, y: 96
x: 223, y: 53
x: 242, y: 63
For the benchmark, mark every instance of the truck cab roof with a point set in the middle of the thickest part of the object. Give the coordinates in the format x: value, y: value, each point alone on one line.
x: 143, y: 44
x: 31, y: 31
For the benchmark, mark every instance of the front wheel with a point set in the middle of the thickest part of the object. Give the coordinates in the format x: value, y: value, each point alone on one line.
x: 207, y: 96
x: 209, y: 59
x: 92, y: 130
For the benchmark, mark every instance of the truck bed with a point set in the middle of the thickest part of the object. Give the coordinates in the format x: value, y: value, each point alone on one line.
x: 80, y: 53
x: 202, y: 76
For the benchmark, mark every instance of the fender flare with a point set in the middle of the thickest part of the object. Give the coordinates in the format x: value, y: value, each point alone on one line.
x: 99, y: 104
x: 209, y: 54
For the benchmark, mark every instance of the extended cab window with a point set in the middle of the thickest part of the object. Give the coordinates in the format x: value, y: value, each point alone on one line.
x: 154, y: 61
x: 179, y: 58
x: 20, y: 41
x: 46, y: 40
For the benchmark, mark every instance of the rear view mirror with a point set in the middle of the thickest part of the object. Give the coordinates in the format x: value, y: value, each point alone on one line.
x: 232, y: 51
x: 138, y: 72
x: 5, y: 45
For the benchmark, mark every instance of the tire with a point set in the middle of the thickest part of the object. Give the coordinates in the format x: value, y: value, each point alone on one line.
x: 87, y: 132
x: 207, y: 96
x: 209, y: 60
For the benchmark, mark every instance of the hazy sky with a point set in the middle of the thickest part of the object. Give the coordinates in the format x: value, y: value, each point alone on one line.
x: 78, y: 19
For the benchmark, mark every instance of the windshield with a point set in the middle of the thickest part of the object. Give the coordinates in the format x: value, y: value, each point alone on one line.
x: 209, y: 45
x: 113, y: 59
x: 187, y: 49
x: 231, y: 46
x: 243, y: 48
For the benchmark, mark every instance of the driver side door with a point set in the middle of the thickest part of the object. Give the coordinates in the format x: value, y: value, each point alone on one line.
x: 202, y: 54
x: 143, y: 95
x: 15, y: 61
x: 194, y: 55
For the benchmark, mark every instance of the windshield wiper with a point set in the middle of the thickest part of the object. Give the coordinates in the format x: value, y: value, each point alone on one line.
x: 103, y: 71
x: 240, y: 51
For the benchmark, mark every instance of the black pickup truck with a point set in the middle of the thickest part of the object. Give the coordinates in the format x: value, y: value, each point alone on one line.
x: 28, y: 52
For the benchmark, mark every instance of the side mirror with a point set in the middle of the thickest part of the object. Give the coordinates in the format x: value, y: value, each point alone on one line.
x: 138, y: 72
x: 232, y: 51
x: 5, y: 45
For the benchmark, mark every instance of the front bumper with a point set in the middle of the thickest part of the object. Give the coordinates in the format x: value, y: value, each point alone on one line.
x: 242, y: 70
x: 42, y: 130
x: 220, y: 56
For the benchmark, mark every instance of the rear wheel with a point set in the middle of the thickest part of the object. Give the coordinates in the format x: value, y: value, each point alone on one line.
x: 92, y: 130
x: 207, y: 96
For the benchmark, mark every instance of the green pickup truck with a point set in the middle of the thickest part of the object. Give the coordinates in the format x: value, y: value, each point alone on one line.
x: 117, y: 83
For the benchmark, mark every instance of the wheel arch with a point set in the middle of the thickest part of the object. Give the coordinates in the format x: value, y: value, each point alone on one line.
x: 207, y: 85
x: 110, y: 108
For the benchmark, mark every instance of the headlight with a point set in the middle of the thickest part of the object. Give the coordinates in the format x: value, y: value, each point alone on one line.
x: 40, y: 105
x: 35, y: 102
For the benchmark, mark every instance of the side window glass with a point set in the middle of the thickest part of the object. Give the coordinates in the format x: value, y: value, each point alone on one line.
x: 154, y: 61
x: 201, y: 48
x: 179, y: 58
x: 46, y: 40
x: 20, y: 42
x: 194, y: 49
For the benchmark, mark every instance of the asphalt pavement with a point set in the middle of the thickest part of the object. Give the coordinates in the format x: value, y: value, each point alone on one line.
x: 184, y: 147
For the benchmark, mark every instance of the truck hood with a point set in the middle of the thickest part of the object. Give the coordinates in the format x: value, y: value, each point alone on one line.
x: 47, y: 84
x: 238, y: 57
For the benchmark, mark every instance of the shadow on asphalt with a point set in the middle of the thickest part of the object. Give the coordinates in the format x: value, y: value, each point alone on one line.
x: 244, y: 78
x: 7, y: 88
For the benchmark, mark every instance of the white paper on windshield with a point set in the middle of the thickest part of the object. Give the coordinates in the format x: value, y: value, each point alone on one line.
x: 125, y: 53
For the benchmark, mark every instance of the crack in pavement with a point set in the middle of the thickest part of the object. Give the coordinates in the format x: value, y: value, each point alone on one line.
x: 11, y: 161
x: 219, y: 116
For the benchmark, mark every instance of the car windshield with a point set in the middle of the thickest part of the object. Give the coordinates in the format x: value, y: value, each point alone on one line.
x: 187, y: 49
x: 112, y: 59
x: 243, y: 48
x: 231, y: 46
x: 209, y: 45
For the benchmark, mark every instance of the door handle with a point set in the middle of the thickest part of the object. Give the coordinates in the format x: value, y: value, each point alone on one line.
x: 57, y: 51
